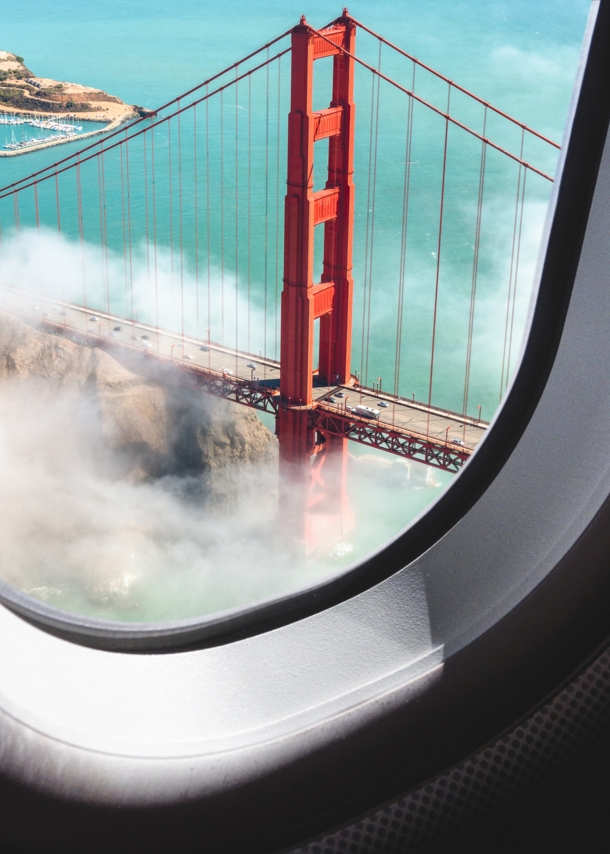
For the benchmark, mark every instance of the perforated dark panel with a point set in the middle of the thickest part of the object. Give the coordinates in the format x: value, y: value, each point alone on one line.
x: 544, y: 787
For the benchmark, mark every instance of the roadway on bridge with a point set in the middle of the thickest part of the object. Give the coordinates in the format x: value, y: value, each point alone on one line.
x: 442, y: 427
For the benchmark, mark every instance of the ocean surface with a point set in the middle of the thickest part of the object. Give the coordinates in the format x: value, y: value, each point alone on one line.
x: 521, y: 56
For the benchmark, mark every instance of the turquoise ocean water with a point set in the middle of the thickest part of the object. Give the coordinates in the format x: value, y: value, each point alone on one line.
x: 521, y: 56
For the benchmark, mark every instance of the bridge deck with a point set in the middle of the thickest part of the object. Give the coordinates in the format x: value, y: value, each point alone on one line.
x: 406, y: 428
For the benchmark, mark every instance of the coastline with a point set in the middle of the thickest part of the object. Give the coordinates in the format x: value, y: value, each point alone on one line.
x: 22, y: 93
x: 130, y: 113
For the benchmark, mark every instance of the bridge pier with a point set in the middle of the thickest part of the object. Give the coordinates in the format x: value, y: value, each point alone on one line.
x: 312, y: 464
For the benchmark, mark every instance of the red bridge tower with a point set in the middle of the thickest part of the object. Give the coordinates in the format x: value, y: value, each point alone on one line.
x: 313, y: 465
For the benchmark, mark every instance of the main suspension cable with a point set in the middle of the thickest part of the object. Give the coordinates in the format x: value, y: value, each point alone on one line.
x: 486, y: 104
x: 437, y: 110
x: 7, y: 191
x: 153, y: 113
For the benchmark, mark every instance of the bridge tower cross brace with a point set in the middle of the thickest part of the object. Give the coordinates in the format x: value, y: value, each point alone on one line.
x: 303, y: 298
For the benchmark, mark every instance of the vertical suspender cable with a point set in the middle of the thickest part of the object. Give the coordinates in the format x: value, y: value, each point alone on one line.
x: 154, y: 210
x: 266, y: 249
x: 329, y: 378
x: 512, y: 319
x: 128, y: 183
x: 16, y: 207
x: 367, y: 231
x: 101, y: 223
x: 403, y: 239
x: 503, y: 377
x: 438, y: 256
x: 180, y: 231
x: 222, y: 221
x: 249, y: 197
x: 372, y: 238
x: 123, y: 221
x: 61, y: 248
x: 277, y: 212
x: 36, y: 211
x: 171, y: 210
x: 57, y: 206
x: 196, y: 206
x: 236, y: 220
x: 58, y: 210
x: 81, y: 232
x: 207, y: 218
x: 475, y: 268
x: 146, y: 226
x: 105, y: 228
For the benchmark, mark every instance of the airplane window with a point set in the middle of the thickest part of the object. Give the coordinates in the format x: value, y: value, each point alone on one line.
x: 146, y: 281
x: 163, y: 681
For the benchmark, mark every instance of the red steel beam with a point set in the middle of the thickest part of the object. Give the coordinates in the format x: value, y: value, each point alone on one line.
x: 327, y: 123
x: 304, y: 209
x: 425, y: 449
x: 316, y: 506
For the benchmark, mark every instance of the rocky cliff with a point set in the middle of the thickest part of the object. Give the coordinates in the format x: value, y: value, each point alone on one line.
x: 153, y: 426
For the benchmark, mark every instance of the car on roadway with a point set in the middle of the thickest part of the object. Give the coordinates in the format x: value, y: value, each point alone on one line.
x: 384, y: 404
x: 339, y: 394
x: 93, y: 318
x: 205, y: 348
x: 332, y: 399
x: 367, y: 411
x: 187, y: 356
x: 251, y: 365
x: 117, y: 329
x: 458, y: 441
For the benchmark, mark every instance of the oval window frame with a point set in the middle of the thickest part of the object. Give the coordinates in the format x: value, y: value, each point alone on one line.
x: 350, y: 750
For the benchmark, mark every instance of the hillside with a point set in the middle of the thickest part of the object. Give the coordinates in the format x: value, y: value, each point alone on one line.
x: 21, y: 90
x: 152, y: 426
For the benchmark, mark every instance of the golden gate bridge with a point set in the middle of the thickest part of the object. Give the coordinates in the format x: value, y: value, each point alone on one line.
x: 192, y: 190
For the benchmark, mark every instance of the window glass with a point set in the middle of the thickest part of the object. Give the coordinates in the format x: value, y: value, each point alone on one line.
x: 141, y: 286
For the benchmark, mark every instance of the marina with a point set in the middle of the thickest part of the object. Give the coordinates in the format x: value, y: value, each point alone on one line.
x: 63, y: 127
x: 20, y: 133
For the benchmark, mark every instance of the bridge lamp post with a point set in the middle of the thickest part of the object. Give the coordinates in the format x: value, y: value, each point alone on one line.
x: 171, y: 351
x: 479, y: 408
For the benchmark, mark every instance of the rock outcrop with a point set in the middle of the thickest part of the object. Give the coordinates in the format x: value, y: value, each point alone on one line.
x: 153, y: 426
